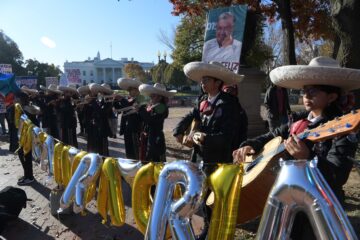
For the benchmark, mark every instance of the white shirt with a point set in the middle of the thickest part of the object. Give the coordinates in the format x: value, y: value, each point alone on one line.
x: 213, y: 52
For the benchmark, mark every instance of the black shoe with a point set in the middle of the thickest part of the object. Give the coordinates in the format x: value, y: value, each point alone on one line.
x: 25, y: 181
x: 21, y: 179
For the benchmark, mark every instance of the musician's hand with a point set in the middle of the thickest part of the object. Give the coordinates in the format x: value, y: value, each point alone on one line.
x: 240, y: 154
x: 179, y: 138
x: 198, y: 138
x: 296, y: 148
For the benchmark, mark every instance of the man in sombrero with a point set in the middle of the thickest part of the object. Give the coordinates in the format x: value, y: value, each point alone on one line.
x: 48, y: 105
x: 324, y: 84
x: 131, y: 123
x: 67, y: 116
x: 215, y: 113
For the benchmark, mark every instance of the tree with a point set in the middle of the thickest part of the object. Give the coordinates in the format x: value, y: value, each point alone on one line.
x: 10, y: 54
x: 174, y: 76
x: 133, y: 70
x: 41, y: 70
x: 157, y: 72
x: 189, y: 40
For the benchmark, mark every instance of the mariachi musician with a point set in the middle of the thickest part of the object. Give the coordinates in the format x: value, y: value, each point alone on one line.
x: 97, y: 125
x: 215, y: 112
x: 83, y: 92
x: 25, y: 96
x: 48, y: 105
x: 131, y: 123
x: 152, y: 145
x: 67, y: 116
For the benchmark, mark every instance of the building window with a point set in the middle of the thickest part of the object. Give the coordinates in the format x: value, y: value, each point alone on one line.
x: 91, y: 73
x: 84, y: 73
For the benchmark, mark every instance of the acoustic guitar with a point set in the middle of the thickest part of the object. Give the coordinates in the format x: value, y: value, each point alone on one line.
x: 260, y: 171
x: 194, y: 125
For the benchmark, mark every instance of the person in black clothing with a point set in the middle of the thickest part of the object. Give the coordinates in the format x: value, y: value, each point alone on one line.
x: 10, y: 116
x: 97, y: 124
x: 83, y: 92
x: 26, y: 158
x: 48, y: 105
x: 131, y: 123
x: 277, y: 106
x: 153, y: 146
x: 321, y: 96
x: 216, y: 112
x: 67, y: 116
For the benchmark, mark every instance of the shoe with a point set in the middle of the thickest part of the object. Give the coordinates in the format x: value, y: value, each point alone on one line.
x: 21, y: 179
x: 25, y: 181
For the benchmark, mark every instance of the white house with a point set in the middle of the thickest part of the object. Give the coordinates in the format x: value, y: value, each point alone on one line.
x: 101, y: 70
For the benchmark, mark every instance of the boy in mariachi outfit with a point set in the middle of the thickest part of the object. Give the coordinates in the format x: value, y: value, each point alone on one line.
x: 153, y: 115
x: 131, y: 123
x: 323, y: 83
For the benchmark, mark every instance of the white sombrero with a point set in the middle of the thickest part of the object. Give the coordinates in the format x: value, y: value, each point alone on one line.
x: 84, y: 90
x: 70, y: 88
x: 52, y: 88
x: 107, y: 89
x: 126, y: 83
x: 320, y: 71
x: 96, y: 88
x: 197, y: 70
x: 32, y: 109
x: 29, y: 91
x: 157, y: 88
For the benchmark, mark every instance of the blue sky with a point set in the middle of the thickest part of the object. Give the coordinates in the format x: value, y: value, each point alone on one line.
x: 53, y: 31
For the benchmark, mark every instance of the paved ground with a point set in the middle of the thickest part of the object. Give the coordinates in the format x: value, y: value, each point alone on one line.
x: 36, y: 222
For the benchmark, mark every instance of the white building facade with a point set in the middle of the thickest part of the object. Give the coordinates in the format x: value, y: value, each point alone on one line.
x: 103, y: 70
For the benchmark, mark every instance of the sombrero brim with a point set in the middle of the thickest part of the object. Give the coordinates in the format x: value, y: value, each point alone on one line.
x: 126, y: 83
x: 197, y: 70
x: 84, y: 90
x: 34, y: 110
x: 96, y: 88
x: 29, y: 91
x: 147, y: 90
x: 73, y: 91
x: 297, y: 76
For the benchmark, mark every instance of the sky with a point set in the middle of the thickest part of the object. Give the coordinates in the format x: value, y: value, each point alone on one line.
x: 53, y: 31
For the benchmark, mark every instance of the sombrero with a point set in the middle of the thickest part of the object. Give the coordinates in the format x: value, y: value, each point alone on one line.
x: 83, y: 90
x: 126, y: 83
x: 51, y: 88
x: 320, y: 71
x: 157, y: 88
x: 32, y: 109
x: 107, y: 89
x: 197, y: 70
x: 70, y: 88
x: 96, y: 88
x: 29, y: 91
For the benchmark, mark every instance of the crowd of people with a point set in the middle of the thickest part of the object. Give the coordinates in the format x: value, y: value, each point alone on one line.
x: 215, y: 128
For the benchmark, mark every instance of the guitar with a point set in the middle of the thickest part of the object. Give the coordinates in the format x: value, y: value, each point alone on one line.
x: 260, y: 171
x: 194, y: 125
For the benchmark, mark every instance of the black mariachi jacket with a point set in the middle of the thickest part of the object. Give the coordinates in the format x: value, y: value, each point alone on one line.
x: 154, y: 117
x: 333, y: 151
x: 220, y: 128
x: 131, y: 123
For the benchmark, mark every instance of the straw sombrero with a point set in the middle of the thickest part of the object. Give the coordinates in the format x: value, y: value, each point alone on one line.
x: 84, y: 90
x: 107, y: 89
x: 157, y: 88
x: 126, y: 83
x: 96, y: 88
x: 197, y: 70
x: 51, y: 88
x: 70, y: 88
x: 29, y: 91
x: 320, y: 71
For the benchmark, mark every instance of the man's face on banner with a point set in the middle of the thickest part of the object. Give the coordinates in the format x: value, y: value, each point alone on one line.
x: 224, y: 29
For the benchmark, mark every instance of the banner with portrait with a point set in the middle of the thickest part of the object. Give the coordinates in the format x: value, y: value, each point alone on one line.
x: 28, y: 81
x: 73, y: 76
x: 224, y: 36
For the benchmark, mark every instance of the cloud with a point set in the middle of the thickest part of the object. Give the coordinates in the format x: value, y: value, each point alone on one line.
x: 48, y: 42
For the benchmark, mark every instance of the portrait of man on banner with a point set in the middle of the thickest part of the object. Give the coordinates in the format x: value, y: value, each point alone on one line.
x: 224, y: 35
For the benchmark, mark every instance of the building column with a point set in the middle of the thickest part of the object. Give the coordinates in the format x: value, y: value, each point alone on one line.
x: 113, y: 76
x: 104, y: 74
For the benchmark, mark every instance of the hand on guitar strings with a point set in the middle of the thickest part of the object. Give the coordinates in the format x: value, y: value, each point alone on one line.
x: 198, y: 138
x: 296, y: 148
x: 239, y: 155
